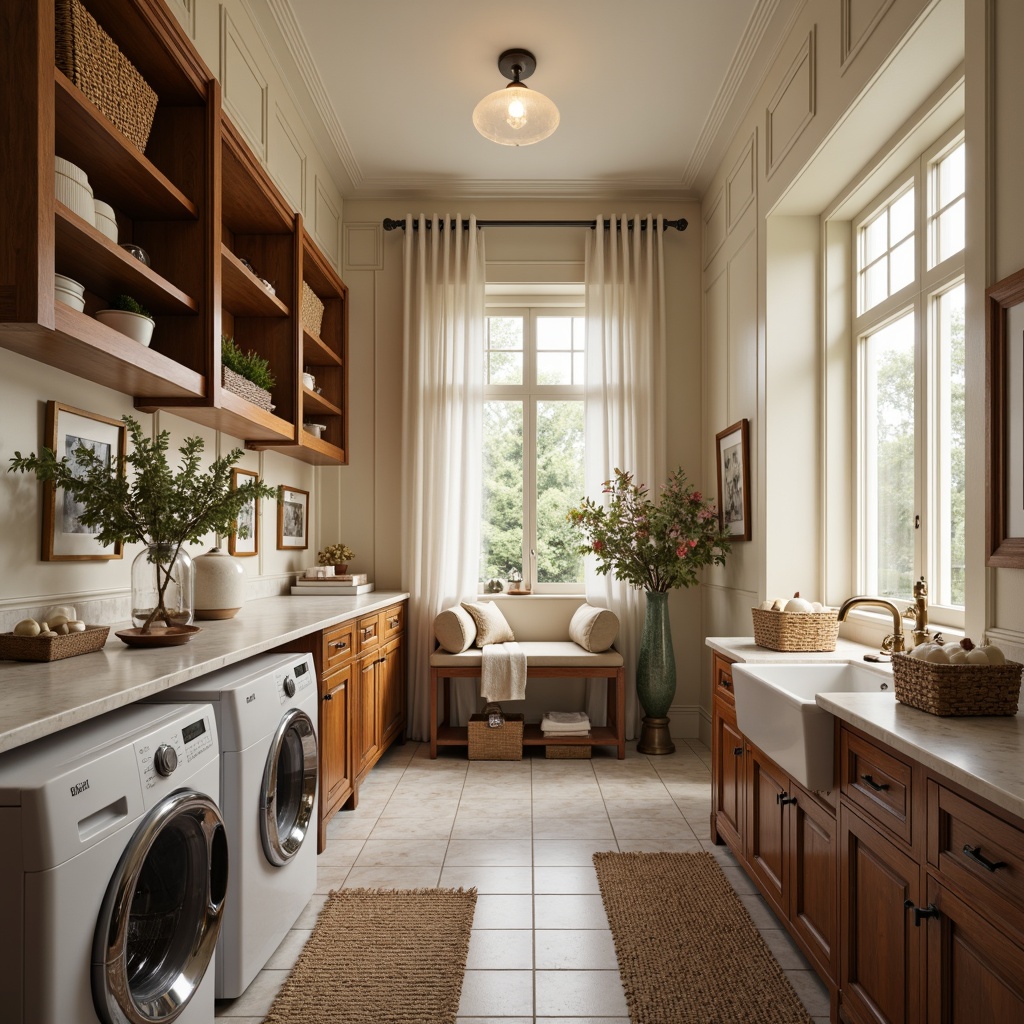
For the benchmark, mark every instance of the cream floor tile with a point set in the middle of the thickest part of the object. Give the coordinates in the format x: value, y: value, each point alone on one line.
x: 470, y: 827
x: 500, y: 950
x: 496, y: 993
x: 652, y: 828
x: 256, y: 1000
x: 487, y: 852
x: 311, y: 912
x: 572, y: 828
x: 568, y: 852
x: 330, y: 877
x: 671, y: 844
x: 392, y: 876
x: 340, y: 852
x: 759, y: 912
x: 579, y: 1020
x: 589, y: 949
x: 811, y: 990
x: 402, y: 828
x: 587, y: 993
x: 490, y: 880
x: 503, y: 912
x: 283, y: 958
x: 402, y: 851
x: 497, y: 1020
x: 344, y: 826
x: 581, y: 878
x: 569, y: 912
x: 784, y: 949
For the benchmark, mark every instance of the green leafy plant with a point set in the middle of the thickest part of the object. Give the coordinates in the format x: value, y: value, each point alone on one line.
x: 249, y: 365
x: 130, y: 305
x: 335, y: 554
x: 651, y: 546
x: 152, y: 503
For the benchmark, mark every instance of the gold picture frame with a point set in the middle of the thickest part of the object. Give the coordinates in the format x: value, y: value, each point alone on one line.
x: 248, y: 519
x: 733, y: 448
x: 292, y: 519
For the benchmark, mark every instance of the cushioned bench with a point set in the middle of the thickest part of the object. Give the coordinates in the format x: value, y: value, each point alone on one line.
x: 541, y: 624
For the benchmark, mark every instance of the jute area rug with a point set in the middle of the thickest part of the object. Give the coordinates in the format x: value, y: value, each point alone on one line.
x: 686, y: 946
x: 381, y: 956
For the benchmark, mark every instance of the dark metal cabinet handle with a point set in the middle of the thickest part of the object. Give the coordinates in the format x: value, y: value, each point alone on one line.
x: 930, y: 911
x: 328, y: 696
x: 784, y: 798
x: 877, y: 787
x: 737, y: 751
x: 392, y: 623
x: 341, y: 645
x: 725, y: 682
x: 974, y: 852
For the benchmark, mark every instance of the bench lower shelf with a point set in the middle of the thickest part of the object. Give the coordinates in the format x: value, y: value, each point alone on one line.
x: 600, y: 736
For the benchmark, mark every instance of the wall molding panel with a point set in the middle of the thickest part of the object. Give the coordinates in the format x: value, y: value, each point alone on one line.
x: 741, y: 184
x: 327, y: 223
x: 245, y: 88
x: 186, y: 12
x: 792, y: 107
x: 364, y: 246
x: 858, y: 19
x: 286, y: 160
x: 715, y: 230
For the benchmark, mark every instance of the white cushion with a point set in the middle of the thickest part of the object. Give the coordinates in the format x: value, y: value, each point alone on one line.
x: 537, y: 616
x: 594, y: 629
x: 491, y: 627
x: 455, y: 629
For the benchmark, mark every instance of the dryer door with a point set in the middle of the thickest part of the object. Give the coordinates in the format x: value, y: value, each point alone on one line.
x: 161, y: 914
x: 288, y: 794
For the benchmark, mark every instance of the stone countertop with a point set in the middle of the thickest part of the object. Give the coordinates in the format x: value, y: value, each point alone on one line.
x: 984, y: 755
x: 40, y: 698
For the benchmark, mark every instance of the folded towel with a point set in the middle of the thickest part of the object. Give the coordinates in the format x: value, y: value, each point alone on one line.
x: 503, y: 672
x: 565, y: 723
x: 548, y: 734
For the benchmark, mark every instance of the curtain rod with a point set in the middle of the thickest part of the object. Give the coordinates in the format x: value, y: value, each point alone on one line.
x: 680, y: 224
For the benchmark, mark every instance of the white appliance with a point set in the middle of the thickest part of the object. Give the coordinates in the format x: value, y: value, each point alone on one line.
x: 113, y: 870
x: 266, y: 710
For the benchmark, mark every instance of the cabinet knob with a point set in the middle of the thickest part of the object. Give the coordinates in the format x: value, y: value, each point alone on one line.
x: 930, y: 911
x: 784, y: 798
x: 738, y: 751
x: 878, y: 787
x: 974, y: 852
x: 328, y: 696
x: 725, y: 682
x: 392, y: 623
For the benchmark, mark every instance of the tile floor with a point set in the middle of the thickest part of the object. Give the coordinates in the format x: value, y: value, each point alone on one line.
x: 523, y: 833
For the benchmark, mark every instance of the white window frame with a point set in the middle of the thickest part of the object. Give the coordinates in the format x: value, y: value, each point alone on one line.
x: 530, y: 307
x: 920, y: 297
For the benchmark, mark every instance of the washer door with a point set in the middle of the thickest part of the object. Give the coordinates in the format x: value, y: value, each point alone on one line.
x: 288, y: 793
x: 161, y: 914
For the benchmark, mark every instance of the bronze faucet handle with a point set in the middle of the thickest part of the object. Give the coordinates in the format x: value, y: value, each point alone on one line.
x: 893, y: 644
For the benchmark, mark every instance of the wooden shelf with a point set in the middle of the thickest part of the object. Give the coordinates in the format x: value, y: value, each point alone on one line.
x: 234, y: 416
x: 251, y: 204
x: 314, y: 450
x: 315, y: 351
x: 600, y: 736
x: 241, y: 291
x: 314, y: 404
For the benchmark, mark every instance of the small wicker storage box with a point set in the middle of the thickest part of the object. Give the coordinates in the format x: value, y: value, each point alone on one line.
x: 239, y: 385
x: 52, y: 648
x: 796, y: 631
x: 311, y: 310
x: 957, y: 689
x: 567, y: 751
x: 92, y: 61
x: 504, y: 743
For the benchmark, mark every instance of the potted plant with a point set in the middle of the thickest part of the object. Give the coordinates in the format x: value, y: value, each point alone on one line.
x: 337, y: 555
x: 655, y: 548
x: 130, y: 318
x: 246, y: 374
x: 155, y: 505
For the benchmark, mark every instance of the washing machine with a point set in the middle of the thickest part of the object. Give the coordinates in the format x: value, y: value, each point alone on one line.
x: 266, y: 711
x: 113, y: 870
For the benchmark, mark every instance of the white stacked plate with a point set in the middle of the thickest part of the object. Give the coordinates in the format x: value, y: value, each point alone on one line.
x: 69, y: 291
x: 73, y: 189
x: 105, y: 220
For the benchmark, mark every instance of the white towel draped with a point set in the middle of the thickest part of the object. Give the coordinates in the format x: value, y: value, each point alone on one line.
x: 503, y: 672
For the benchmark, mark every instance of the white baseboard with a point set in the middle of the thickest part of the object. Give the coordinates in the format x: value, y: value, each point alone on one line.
x: 684, y: 721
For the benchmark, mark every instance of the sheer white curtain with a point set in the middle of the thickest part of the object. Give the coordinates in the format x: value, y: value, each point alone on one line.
x: 625, y: 427
x: 442, y: 450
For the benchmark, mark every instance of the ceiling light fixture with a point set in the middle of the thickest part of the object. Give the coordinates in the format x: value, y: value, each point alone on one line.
x: 516, y: 115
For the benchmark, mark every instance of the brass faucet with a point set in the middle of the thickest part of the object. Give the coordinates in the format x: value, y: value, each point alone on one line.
x: 918, y: 611
x: 894, y: 642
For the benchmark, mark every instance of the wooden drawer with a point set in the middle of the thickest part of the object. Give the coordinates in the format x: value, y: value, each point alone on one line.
x: 877, y: 782
x: 339, y: 645
x: 722, y: 679
x: 368, y: 630
x: 980, y: 853
x: 394, y: 621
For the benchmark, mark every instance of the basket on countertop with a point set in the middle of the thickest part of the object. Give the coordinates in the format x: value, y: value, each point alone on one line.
x: 94, y: 63
x: 961, y: 690
x: 311, y: 310
x: 244, y: 388
x: 796, y: 631
x: 505, y: 743
x: 52, y: 648
x: 568, y: 751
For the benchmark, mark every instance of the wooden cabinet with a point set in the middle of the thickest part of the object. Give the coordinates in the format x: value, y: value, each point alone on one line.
x: 204, y: 209
x: 729, y: 777
x: 365, y: 732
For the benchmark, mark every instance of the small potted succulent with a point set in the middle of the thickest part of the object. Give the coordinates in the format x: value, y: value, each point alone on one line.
x: 337, y: 555
x: 130, y: 318
x: 246, y: 374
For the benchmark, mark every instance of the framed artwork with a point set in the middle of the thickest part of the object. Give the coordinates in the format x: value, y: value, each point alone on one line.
x: 65, y: 538
x: 293, y: 520
x: 733, y: 447
x: 1004, y: 422
x: 248, y: 522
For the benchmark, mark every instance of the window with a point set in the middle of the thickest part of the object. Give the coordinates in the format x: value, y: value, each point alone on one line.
x: 909, y: 326
x: 533, y: 445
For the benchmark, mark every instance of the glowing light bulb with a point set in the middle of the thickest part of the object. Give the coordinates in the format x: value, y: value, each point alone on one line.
x: 516, y: 114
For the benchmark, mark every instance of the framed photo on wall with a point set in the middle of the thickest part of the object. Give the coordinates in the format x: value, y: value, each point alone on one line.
x: 244, y: 539
x: 293, y: 520
x: 65, y: 537
x: 733, y: 446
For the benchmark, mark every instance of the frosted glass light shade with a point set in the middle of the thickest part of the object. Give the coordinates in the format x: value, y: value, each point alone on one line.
x: 515, y: 116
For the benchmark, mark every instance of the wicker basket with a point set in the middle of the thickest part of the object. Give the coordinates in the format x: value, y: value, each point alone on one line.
x: 502, y: 744
x: 52, y: 648
x: 238, y: 385
x: 311, y: 310
x: 93, y: 62
x: 957, y: 689
x: 567, y: 751
x: 796, y: 631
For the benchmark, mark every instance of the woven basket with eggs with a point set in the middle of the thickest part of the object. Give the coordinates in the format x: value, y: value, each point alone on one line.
x: 955, y: 680
x: 795, y: 625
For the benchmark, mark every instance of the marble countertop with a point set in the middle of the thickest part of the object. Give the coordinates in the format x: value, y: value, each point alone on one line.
x: 40, y: 698
x: 985, y: 754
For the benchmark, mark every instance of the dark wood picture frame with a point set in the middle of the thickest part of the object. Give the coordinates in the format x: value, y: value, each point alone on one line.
x: 245, y: 547
x: 732, y: 448
x: 63, y: 539
x: 292, y: 519
x: 1004, y: 422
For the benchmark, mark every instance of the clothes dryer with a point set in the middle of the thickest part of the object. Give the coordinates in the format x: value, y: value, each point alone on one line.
x: 266, y: 711
x: 113, y: 870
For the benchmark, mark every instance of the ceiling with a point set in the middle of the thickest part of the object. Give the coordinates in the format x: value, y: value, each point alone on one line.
x: 647, y: 90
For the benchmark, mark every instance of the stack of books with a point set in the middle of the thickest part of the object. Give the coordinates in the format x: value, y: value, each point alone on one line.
x: 351, y: 583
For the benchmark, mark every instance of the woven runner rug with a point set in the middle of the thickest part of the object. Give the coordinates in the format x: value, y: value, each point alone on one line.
x: 381, y: 956
x: 687, y: 948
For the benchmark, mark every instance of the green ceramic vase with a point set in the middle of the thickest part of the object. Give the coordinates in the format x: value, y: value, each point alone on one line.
x: 656, y: 676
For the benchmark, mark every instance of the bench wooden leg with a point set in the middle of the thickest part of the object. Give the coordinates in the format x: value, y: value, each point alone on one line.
x: 433, y: 714
x: 620, y: 711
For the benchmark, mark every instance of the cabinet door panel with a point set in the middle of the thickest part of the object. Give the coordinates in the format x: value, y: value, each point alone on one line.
x: 766, y: 829
x: 391, y: 691
x: 729, y: 776
x: 334, y: 752
x: 813, y: 905
x: 364, y: 714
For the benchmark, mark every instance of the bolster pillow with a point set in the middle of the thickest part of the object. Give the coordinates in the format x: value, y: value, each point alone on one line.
x: 455, y: 629
x: 594, y: 629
